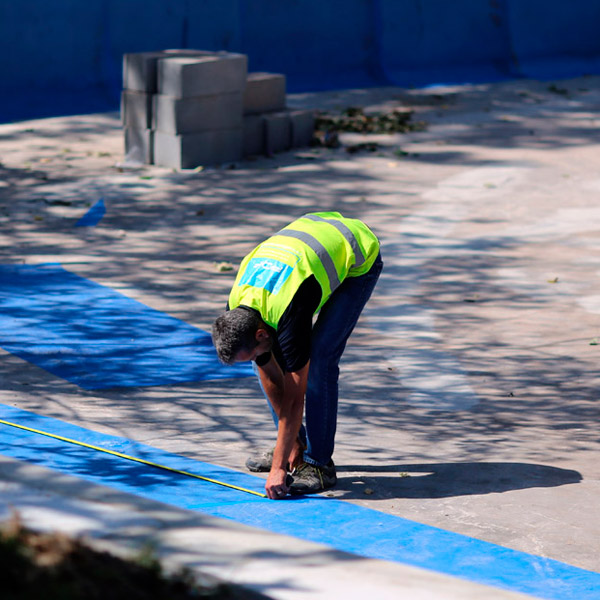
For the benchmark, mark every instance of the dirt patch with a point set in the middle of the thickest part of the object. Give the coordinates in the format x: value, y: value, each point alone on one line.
x: 57, y: 567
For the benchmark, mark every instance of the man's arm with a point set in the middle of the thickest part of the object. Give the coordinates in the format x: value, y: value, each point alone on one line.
x: 286, y: 394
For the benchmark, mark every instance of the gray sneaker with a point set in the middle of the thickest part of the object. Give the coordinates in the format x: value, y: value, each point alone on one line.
x: 261, y: 461
x: 308, y: 479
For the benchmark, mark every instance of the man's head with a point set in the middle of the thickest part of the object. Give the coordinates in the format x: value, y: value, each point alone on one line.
x: 240, y: 335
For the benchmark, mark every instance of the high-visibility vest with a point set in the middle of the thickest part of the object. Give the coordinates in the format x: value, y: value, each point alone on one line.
x: 322, y: 244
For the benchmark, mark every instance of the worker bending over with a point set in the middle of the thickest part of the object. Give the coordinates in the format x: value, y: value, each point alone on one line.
x: 320, y: 263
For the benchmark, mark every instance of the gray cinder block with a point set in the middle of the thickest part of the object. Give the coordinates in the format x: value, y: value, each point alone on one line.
x: 139, y: 145
x: 139, y: 68
x: 254, y: 135
x: 219, y: 73
x: 265, y: 92
x: 139, y: 71
x: 278, y: 132
x: 136, y: 109
x: 198, y: 113
x: 190, y: 150
x: 303, y: 127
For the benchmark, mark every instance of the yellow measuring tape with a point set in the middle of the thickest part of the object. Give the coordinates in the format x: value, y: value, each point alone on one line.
x: 133, y: 458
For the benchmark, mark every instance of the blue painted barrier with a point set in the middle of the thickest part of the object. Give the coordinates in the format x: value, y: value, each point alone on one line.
x: 65, y: 57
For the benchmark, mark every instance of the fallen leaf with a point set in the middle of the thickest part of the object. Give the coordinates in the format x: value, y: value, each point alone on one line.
x: 224, y: 266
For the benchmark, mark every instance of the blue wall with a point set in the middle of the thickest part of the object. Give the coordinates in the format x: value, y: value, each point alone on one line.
x: 64, y: 56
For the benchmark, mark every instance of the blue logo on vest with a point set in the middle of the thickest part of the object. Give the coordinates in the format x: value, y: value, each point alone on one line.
x: 266, y: 273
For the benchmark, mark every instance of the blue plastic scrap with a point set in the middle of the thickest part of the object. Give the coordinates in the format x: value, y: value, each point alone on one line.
x: 93, y: 216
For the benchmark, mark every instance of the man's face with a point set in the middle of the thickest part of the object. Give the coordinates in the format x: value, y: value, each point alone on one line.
x: 264, y: 345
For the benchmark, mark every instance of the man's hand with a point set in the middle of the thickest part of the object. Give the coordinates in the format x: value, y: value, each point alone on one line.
x: 276, y: 487
x: 286, y: 395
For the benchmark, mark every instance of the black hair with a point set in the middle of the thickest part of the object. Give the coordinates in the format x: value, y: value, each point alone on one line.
x: 235, y: 331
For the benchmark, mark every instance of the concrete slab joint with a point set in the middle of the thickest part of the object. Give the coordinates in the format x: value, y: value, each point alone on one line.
x: 186, y: 108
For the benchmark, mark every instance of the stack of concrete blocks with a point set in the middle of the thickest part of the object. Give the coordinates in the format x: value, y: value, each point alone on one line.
x: 139, y: 88
x: 187, y: 108
x: 268, y: 126
x: 183, y: 109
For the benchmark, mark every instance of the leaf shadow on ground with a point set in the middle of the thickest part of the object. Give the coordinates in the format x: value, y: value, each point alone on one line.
x: 161, y: 237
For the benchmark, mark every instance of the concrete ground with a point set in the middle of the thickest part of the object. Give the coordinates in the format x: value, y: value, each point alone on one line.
x: 469, y: 389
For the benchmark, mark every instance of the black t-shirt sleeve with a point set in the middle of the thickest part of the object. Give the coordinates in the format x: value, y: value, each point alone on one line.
x: 292, y: 350
x: 291, y: 345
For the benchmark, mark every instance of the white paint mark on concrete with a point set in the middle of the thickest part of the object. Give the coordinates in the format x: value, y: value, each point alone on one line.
x: 590, y: 303
x: 434, y: 378
x: 565, y: 222
x: 593, y: 185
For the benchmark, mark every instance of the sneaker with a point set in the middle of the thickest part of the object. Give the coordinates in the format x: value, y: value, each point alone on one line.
x: 308, y: 479
x: 261, y: 461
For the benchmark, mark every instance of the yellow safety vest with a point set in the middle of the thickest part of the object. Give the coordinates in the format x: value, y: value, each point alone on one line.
x: 323, y: 244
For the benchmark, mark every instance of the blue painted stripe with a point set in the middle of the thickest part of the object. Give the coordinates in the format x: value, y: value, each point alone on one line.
x: 332, y: 522
x: 96, y: 337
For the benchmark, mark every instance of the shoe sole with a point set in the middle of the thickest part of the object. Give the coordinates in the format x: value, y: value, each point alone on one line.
x: 260, y: 469
x: 301, y: 491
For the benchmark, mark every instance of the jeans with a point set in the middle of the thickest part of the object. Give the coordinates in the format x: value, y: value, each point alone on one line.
x: 333, y: 327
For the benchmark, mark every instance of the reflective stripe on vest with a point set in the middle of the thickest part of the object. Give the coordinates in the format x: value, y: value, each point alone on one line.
x: 315, y: 245
x: 345, y: 231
